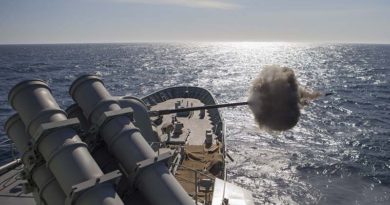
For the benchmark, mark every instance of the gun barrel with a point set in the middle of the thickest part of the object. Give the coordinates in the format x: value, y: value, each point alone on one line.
x: 206, y: 107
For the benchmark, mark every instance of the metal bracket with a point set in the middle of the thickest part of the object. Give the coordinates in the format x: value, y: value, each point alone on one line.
x: 107, y: 116
x: 78, y: 189
x: 148, y: 162
x: 132, y: 176
x: 93, y: 132
x: 46, y: 128
x: 33, y: 161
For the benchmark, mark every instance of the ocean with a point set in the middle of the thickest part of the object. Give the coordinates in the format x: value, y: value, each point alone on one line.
x: 339, y: 152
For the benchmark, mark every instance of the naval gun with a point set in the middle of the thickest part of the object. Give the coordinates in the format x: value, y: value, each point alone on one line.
x: 189, y: 109
x: 206, y: 107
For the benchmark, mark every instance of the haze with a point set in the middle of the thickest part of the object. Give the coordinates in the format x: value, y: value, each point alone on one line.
x: 105, y: 21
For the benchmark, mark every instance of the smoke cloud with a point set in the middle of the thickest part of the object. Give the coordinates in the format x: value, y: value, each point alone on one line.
x: 276, y: 98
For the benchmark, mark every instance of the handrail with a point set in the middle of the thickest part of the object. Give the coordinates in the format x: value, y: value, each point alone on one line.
x: 9, y: 166
x: 196, y: 172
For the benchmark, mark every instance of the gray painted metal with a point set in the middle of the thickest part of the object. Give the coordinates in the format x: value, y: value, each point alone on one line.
x: 228, y: 193
x: 47, y: 190
x: 141, y: 117
x: 127, y: 144
x: 74, y: 111
x: 10, y: 166
x: 205, y: 107
x: 101, y: 155
x: 65, y: 154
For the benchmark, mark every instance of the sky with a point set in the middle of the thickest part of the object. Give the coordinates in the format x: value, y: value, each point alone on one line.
x: 106, y: 21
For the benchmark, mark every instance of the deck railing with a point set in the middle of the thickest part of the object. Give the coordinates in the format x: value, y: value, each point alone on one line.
x: 196, y: 181
x: 197, y: 175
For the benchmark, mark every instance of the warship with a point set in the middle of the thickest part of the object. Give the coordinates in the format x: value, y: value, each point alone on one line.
x: 166, y: 148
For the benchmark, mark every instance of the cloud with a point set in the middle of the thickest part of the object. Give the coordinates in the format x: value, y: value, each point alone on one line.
x: 211, y: 4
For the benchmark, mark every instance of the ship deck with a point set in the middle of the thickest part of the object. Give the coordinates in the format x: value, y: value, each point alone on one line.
x: 11, y: 189
x: 195, y: 127
x: 201, y: 162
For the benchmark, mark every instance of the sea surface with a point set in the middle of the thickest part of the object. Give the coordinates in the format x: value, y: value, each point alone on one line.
x: 339, y: 153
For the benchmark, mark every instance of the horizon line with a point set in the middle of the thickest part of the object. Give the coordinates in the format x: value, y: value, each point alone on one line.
x: 194, y: 41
